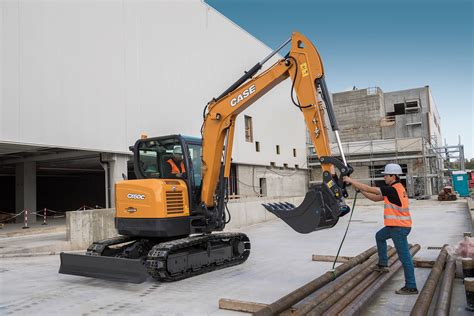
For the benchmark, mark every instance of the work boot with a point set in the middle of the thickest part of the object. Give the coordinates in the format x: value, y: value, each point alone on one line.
x: 406, y: 291
x: 381, y: 269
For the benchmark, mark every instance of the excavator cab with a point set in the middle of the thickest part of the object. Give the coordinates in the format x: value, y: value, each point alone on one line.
x: 170, y: 157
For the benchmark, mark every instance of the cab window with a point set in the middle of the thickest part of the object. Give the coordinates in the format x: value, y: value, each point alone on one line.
x: 161, y: 159
x: 195, y: 152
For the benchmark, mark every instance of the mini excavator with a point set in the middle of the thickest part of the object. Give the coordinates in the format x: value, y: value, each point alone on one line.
x: 170, y: 219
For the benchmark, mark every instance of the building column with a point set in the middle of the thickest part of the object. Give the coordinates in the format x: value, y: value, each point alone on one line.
x: 25, y: 189
x: 115, y: 166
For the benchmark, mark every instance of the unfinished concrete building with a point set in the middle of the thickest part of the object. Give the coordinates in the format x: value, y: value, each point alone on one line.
x: 377, y: 128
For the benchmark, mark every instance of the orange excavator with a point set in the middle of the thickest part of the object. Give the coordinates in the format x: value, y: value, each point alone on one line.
x: 170, y: 218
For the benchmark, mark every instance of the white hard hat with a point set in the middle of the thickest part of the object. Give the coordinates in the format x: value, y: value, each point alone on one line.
x: 393, y: 168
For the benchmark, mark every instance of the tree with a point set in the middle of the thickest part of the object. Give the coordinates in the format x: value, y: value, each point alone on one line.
x: 469, y: 164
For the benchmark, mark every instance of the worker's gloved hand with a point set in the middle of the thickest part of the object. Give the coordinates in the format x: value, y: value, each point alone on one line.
x: 347, y: 179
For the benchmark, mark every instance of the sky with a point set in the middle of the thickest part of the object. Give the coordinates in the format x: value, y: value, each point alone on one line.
x: 394, y: 45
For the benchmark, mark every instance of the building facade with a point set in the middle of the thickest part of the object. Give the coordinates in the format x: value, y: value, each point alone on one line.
x: 80, y: 81
x: 377, y: 128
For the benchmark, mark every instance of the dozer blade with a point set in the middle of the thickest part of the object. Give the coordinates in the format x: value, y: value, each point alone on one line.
x: 101, y: 267
x: 319, y: 210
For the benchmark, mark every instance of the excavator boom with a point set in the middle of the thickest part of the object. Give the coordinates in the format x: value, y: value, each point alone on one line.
x: 322, y: 205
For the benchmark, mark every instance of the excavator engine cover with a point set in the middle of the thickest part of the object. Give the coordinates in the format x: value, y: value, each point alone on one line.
x: 320, y: 209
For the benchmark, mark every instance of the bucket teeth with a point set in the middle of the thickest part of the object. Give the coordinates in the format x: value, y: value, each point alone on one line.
x: 285, y: 206
x: 319, y: 210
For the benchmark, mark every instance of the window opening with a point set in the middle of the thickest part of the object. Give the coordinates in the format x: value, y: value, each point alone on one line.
x: 248, y: 129
x: 263, y: 186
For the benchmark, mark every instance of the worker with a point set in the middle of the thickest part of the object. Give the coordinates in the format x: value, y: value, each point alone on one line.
x: 397, y: 222
x: 175, y: 161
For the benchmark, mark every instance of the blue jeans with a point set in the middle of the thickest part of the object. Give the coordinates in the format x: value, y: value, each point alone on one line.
x: 399, y: 238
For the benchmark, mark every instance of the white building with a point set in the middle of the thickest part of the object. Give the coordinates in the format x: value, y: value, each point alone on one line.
x: 81, y: 80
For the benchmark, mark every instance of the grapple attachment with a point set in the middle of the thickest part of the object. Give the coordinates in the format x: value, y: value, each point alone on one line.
x: 322, y: 206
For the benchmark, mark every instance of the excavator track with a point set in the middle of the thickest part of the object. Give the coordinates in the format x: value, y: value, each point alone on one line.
x: 182, y: 258
x: 98, y: 247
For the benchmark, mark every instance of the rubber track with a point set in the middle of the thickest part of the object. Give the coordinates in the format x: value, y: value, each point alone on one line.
x: 98, y: 247
x: 158, y: 255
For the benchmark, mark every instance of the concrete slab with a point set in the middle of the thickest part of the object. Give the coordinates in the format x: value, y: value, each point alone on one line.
x: 279, y: 263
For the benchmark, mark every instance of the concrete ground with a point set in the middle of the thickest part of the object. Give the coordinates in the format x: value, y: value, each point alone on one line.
x: 279, y: 263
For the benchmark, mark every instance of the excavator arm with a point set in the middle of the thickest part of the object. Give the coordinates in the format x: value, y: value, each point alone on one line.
x: 303, y: 65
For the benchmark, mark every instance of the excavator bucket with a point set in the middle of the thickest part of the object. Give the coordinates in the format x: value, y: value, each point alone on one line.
x: 319, y: 210
x: 102, y: 267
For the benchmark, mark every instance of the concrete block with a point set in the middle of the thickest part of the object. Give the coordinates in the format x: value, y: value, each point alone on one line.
x: 238, y: 214
x: 246, y: 212
x: 255, y: 213
x: 85, y: 227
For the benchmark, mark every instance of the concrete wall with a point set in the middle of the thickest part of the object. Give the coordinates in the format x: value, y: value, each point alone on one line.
x: 400, y: 96
x: 279, y: 182
x: 361, y: 173
x: 358, y: 113
x: 95, y: 74
x: 431, y: 123
x: 434, y: 121
x: 85, y: 227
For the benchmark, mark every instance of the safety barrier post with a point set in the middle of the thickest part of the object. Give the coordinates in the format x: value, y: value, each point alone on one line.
x: 44, y: 217
x: 25, y: 219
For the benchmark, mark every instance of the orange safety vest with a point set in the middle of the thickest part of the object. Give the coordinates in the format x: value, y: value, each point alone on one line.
x: 395, y: 215
x: 174, y: 167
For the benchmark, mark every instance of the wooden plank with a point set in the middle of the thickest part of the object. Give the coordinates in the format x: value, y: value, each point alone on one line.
x: 423, y: 263
x: 240, y: 306
x: 246, y: 307
x: 325, y: 258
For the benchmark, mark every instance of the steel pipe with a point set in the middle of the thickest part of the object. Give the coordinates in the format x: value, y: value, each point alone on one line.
x: 297, y: 295
x: 336, y: 289
x: 363, y: 299
x: 331, y: 300
x: 357, y: 290
x: 446, y: 289
x: 423, y: 302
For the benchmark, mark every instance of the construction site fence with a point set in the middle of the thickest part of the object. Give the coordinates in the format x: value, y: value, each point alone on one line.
x: 43, y: 213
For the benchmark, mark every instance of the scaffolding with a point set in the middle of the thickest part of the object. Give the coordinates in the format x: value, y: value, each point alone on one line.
x: 423, y: 181
x: 405, y: 139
